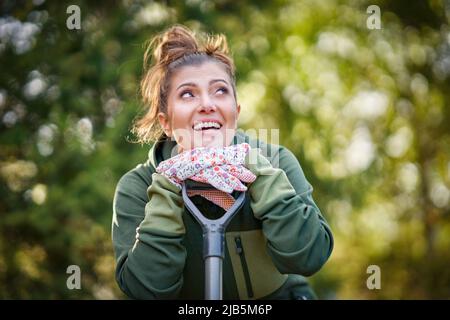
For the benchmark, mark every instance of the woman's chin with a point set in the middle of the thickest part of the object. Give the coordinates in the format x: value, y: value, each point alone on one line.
x: 209, y: 141
x: 214, y: 138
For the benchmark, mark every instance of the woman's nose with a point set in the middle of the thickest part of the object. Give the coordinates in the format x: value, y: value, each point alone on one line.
x: 207, y: 106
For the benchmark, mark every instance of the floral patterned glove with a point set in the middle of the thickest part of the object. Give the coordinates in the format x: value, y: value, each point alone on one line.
x: 223, y: 168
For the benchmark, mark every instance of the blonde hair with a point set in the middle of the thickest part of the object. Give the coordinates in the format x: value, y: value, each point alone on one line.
x: 174, y: 48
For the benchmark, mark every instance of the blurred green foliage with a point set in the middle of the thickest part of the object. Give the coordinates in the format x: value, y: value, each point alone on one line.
x: 366, y: 112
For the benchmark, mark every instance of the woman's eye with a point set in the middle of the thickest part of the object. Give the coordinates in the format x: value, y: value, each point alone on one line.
x: 223, y: 90
x: 186, y: 94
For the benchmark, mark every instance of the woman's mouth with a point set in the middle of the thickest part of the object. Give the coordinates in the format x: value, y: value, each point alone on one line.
x: 210, y: 133
x: 206, y: 125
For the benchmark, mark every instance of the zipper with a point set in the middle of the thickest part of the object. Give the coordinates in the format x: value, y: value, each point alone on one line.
x: 240, y: 252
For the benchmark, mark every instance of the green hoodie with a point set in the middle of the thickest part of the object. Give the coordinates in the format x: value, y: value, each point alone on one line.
x: 278, y: 236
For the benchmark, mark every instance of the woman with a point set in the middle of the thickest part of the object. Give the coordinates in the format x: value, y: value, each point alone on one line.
x: 278, y: 237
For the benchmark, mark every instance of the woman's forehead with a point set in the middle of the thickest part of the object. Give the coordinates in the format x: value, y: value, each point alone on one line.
x: 202, y: 74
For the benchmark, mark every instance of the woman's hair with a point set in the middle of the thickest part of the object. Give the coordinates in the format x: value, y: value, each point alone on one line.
x: 174, y: 48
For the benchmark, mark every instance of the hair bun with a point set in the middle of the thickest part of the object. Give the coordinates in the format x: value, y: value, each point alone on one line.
x: 173, y: 44
x: 216, y: 44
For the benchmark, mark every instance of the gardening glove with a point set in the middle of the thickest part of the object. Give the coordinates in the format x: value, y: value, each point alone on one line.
x: 220, y: 167
x: 220, y: 178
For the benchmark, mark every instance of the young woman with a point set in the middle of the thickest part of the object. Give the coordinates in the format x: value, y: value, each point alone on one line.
x: 278, y: 237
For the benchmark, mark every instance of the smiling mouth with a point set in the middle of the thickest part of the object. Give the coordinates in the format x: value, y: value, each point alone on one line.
x: 206, y: 125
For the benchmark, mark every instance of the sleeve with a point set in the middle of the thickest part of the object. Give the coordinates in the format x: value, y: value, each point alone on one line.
x: 298, y: 238
x: 147, y: 234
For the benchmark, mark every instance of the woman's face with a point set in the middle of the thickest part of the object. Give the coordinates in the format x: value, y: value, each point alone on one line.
x: 202, y: 109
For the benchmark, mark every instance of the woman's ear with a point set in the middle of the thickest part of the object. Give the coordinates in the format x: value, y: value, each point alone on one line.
x: 165, y: 123
x: 238, y: 111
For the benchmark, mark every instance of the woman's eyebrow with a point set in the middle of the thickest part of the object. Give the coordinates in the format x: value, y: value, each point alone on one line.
x: 217, y: 80
x: 192, y: 84
x: 187, y: 84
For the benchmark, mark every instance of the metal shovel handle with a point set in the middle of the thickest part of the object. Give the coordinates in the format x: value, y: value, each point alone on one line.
x: 213, y: 238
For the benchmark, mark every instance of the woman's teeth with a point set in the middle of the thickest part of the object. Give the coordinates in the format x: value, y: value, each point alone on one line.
x: 206, y: 125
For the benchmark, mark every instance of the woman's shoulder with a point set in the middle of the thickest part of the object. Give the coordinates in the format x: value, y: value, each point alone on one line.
x: 137, y: 180
x: 283, y: 158
x: 278, y: 155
